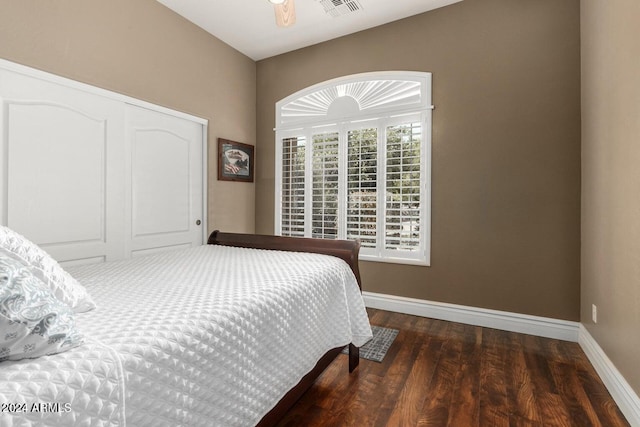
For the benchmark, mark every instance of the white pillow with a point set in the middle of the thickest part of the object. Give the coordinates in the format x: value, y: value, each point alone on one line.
x: 33, y: 322
x: 64, y: 287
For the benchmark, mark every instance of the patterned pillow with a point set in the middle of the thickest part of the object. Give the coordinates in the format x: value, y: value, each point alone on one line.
x: 33, y: 322
x: 64, y: 287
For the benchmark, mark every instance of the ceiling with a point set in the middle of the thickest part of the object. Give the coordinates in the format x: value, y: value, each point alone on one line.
x: 249, y: 25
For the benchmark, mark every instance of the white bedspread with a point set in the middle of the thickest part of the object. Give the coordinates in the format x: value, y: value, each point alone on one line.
x: 209, y: 336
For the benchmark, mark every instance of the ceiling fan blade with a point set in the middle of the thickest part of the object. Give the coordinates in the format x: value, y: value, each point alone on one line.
x: 285, y: 13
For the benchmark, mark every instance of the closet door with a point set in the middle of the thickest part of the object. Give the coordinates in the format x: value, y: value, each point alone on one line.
x: 62, y: 168
x: 165, y: 192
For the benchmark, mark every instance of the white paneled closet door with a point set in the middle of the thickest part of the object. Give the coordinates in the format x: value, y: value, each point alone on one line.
x: 165, y: 192
x: 93, y: 176
x: 62, y: 160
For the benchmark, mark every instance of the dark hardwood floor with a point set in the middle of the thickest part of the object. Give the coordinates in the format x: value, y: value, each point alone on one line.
x: 441, y: 373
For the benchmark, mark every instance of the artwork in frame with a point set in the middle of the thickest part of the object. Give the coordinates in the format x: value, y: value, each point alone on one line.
x: 235, y: 161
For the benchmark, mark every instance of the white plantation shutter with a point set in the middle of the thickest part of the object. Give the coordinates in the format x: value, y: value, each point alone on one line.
x: 362, y: 186
x: 353, y: 162
x: 293, y: 186
x: 324, y: 199
x: 403, y: 187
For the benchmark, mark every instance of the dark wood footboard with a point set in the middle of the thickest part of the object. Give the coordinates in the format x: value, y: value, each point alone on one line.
x: 345, y: 249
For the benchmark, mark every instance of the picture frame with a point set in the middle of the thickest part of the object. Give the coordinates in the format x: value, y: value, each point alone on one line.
x: 235, y: 161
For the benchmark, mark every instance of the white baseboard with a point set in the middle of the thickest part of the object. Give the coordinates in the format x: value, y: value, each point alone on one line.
x: 514, y: 322
x: 627, y: 400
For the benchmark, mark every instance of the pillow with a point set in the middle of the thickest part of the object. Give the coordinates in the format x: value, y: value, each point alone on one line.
x: 64, y: 287
x: 33, y: 322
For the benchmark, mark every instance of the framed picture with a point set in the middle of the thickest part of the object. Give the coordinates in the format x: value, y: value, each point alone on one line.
x: 235, y: 161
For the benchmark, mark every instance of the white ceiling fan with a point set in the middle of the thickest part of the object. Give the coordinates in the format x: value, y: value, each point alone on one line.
x: 285, y: 12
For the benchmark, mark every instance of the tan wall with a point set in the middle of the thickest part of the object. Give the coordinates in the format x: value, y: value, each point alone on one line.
x: 506, y: 148
x: 142, y: 49
x: 611, y: 179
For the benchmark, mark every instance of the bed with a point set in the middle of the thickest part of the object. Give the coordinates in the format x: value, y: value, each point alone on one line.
x: 230, y: 333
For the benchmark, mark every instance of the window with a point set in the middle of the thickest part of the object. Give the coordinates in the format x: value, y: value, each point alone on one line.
x: 353, y: 162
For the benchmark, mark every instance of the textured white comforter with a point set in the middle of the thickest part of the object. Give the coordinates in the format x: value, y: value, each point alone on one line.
x: 209, y: 336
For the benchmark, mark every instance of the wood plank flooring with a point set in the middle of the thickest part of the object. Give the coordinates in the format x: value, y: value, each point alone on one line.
x: 441, y: 373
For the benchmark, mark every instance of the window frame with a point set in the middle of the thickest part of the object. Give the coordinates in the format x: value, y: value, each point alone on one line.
x: 342, y: 120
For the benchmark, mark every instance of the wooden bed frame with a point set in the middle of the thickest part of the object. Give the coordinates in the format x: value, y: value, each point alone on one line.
x: 345, y: 249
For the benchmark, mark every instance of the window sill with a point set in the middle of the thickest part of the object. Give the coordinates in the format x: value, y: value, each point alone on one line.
x: 418, y: 262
